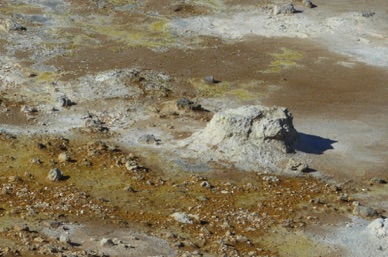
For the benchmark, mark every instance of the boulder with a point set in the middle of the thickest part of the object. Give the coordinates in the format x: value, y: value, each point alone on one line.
x: 182, y: 217
x: 55, y: 175
x: 267, y: 128
x: 308, y: 3
x: 247, y: 136
x: 63, y: 157
x: 205, y: 184
x: 210, y: 80
x: 284, y: 9
x: 378, y: 181
x: 64, y: 238
x: 64, y: 101
x: 10, y: 25
x: 28, y: 109
x: 363, y: 211
x: 106, y: 242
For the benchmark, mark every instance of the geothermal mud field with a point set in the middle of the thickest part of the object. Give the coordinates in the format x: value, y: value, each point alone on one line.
x: 193, y: 128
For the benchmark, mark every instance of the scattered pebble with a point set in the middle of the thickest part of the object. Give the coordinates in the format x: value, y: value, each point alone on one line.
x: 308, y: 4
x: 182, y: 217
x: 106, y: 242
x: 36, y: 161
x: 64, y: 101
x: 368, y: 14
x: 271, y: 179
x: 63, y: 157
x: 378, y: 181
x: 284, y: 9
x: 210, y: 80
x: 28, y: 109
x: 205, y: 184
x: 363, y: 211
x: 55, y: 175
x: 149, y: 139
x: 64, y: 239
x: 10, y: 25
x: 186, y: 104
x: 344, y: 197
x: 129, y: 189
x: 297, y: 166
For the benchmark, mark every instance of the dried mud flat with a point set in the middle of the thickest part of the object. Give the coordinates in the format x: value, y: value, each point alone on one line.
x: 110, y: 97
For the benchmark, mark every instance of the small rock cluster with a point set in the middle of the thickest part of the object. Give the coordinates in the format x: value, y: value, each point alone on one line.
x: 115, y: 242
x: 294, y: 165
x: 99, y: 147
x: 93, y: 124
x: 149, y: 139
x: 131, y: 163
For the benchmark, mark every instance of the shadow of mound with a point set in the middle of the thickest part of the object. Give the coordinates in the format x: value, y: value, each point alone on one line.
x: 313, y: 144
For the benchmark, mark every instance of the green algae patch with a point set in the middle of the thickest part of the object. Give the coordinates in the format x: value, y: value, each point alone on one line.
x: 286, y: 59
x: 11, y: 8
x: 246, y: 91
x: 47, y: 77
x: 296, y: 243
x: 242, y: 94
x: 153, y: 35
x: 212, y: 90
x: 249, y: 200
x: 123, y: 2
x: 158, y: 26
x: 84, y: 40
x: 220, y: 90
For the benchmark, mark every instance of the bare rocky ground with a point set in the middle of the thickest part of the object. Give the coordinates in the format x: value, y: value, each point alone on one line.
x: 136, y: 110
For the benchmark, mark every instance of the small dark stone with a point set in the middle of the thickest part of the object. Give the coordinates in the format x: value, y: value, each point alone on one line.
x: 177, y: 8
x: 210, y: 80
x: 65, y: 102
x: 308, y: 4
x: 187, y: 104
